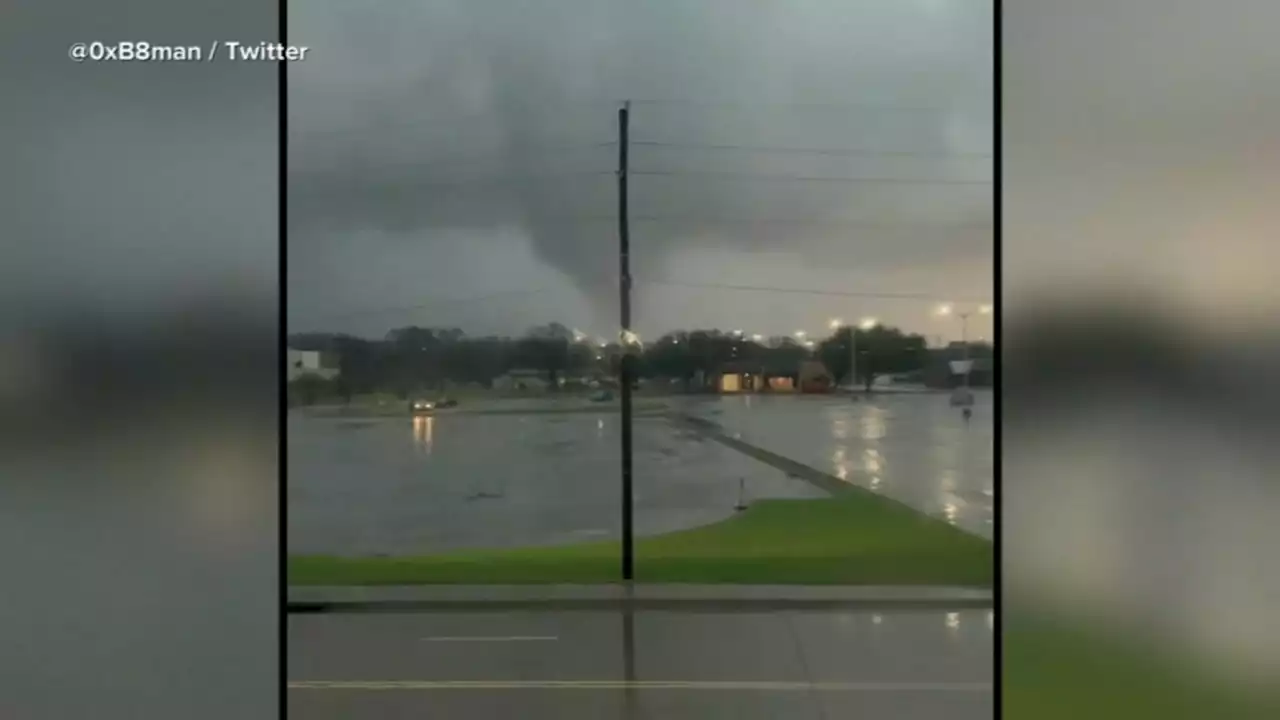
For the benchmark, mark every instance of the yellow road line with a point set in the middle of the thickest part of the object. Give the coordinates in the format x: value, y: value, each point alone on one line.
x: 768, y: 686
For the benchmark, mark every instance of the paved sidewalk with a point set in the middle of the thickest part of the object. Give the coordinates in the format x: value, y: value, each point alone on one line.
x: 556, y: 665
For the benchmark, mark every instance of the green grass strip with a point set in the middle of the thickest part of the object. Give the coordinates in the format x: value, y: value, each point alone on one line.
x: 857, y: 538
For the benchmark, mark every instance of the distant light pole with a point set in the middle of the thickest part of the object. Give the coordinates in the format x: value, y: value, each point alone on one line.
x: 864, y: 324
x: 946, y: 310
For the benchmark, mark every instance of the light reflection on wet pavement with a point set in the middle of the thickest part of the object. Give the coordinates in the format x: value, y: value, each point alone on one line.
x: 915, y: 448
x: 401, y: 486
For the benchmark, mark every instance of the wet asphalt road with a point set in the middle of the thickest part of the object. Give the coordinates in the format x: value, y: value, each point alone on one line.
x: 557, y: 665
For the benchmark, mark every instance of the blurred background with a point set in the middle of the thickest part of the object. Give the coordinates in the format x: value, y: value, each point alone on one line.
x: 1139, y: 302
x: 138, y: 370
x: 138, y: 367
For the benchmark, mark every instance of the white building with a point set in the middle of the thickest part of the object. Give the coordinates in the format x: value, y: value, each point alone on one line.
x: 522, y: 379
x: 307, y: 362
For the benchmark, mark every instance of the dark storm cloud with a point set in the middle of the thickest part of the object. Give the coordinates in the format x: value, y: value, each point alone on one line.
x: 488, y: 117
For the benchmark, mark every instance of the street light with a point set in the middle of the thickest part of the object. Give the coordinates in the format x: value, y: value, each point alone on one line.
x: 757, y: 337
x: 835, y: 324
x: 865, y: 323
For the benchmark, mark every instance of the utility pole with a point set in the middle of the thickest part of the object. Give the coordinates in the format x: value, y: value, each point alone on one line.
x: 964, y: 339
x: 624, y: 306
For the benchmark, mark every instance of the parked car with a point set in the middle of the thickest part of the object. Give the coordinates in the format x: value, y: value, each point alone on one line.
x: 421, y: 406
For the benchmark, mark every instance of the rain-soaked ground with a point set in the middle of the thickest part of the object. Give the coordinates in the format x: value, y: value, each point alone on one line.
x: 402, y: 486
x: 915, y: 448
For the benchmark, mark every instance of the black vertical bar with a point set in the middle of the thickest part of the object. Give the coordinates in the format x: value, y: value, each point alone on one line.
x: 624, y: 306
x: 282, y: 219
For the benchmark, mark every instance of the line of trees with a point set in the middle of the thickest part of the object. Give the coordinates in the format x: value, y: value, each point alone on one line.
x: 412, y: 359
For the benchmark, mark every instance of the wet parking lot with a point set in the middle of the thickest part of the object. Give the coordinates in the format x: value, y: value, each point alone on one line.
x: 915, y: 448
x: 400, y: 485
x: 413, y: 485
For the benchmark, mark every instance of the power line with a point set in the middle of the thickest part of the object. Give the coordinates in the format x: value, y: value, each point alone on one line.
x: 499, y: 155
x: 819, y: 106
x: 839, y: 152
x: 800, y: 178
x: 511, y: 180
x: 811, y: 291
x: 365, y: 312
x: 748, y: 221
x: 512, y: 294
x: 837, y: 223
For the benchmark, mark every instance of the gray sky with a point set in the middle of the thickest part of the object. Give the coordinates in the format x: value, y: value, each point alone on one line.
x: 103, y: 212
x: 447, y: 165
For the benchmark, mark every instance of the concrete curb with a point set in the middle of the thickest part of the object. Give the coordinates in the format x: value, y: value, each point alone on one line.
x: 825, y: 482
x: 829, y: 484
x: 690, y: 598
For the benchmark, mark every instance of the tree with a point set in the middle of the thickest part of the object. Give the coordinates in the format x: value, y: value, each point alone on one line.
x: 359, y: 364
x: 542, y: 352
x: 307, y: 389
x: 881, y: 350
x: 670, y: 356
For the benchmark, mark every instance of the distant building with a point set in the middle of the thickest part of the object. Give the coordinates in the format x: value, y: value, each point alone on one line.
x: 299, y: 363
x: 740, y: 376
x: 522, y: 379
x: 947, y: 368
x: 815, y: 378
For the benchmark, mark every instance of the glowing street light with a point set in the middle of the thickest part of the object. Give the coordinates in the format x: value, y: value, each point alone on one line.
x: 835, y: 324
x: 757, y: 337
x: 943, y: 310
x: 984, y: 309
x: 800, y: 334
x: 868, y: 323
